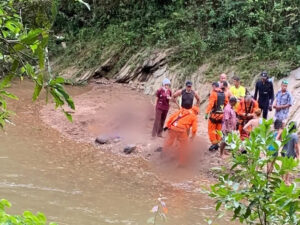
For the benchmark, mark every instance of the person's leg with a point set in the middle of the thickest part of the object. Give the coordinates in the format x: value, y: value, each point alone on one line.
x: 156, y: 122
x: 171, y: 136
x: 264, y: 106
x: 163, y: 117
x: 211, y: 129
x: 183, y: 148
x: 218, y: 131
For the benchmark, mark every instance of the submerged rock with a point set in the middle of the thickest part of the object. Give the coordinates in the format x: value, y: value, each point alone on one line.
x: 129, y: 149
x: 102, y: 140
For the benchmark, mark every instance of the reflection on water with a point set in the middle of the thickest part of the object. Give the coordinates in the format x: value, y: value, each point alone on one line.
x: 77, y: 184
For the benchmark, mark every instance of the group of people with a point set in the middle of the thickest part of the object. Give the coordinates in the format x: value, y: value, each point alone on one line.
x: 230, y: 108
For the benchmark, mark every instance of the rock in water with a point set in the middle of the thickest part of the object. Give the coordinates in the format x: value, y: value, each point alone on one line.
x: 129, y: 149
x: 159, y: 149
x: 102, y: 140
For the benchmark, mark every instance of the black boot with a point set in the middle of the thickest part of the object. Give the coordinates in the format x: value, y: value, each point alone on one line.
x: 213, y: 147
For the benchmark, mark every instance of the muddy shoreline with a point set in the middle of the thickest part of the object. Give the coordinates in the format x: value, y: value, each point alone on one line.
x: 107, y: 108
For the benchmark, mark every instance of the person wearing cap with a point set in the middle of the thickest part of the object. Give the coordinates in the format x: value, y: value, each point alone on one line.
x: 245, y: 112
x: 229, y: 122
x: 214, y: 112
x: 237, y: 90
x: 163, y: 95
x: 283, y: 102
x: 187, y: 96
x: 264, y: 92
x: 178, y: 125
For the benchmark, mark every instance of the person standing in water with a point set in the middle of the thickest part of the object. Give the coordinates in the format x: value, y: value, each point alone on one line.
x: 163, y: 95
x: 187, y: 96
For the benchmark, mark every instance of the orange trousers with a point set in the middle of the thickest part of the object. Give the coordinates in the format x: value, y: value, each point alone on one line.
x: 182, y: 139
x: 214, y: 127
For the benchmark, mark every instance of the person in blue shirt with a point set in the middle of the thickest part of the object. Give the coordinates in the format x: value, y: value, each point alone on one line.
x: 283, y: 102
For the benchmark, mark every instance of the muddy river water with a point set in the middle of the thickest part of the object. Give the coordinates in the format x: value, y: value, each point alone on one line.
x: 74, y: 183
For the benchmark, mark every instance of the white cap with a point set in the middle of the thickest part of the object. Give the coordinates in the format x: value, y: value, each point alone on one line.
x: 166, y: 81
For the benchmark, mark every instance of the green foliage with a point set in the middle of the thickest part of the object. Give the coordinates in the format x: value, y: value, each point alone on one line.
x: 255, y: 193
x: 28, y: 218
x: 196, y: 30
x: 23, y: 51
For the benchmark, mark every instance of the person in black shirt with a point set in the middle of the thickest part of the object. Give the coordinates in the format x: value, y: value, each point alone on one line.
x: 264, y: 89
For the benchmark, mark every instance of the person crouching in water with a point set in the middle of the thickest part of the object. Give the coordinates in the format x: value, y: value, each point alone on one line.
x: 214, y: 110
x: 163, y: 95
x: 178, y: 124
x: 229, y: 123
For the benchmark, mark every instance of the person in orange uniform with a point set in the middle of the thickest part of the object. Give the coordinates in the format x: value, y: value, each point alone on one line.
x: 178, y: 124
x: 245, y: 112
x: 214, y: 111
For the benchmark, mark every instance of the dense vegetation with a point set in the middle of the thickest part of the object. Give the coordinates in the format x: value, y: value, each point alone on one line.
x: 248, y: 34
x: 249, y: 189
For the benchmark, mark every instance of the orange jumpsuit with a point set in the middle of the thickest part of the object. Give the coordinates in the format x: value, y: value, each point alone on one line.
x: 216, y: 116
x: 179, y: 123
x: 247, y: 109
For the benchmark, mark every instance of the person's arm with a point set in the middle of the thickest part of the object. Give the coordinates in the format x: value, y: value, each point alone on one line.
x: 171, y: 119
x: 256, y: 91
x: 297, y: 151
x: 271, y: 94
x: 247, y: 125
x: 176, y: 94
x: 212, y: 98
x: 197, y: 98
x: 275, y: 102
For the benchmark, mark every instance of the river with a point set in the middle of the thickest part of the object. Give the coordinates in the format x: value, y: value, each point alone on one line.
x: 75, y: 183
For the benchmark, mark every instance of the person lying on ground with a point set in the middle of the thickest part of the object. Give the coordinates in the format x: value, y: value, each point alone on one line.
x: 163, y: 95
x: 187, y: 96
x: 228, y: 124
x: 177, y: 125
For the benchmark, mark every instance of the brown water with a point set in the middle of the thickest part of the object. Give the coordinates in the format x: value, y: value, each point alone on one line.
x: 76, y: 184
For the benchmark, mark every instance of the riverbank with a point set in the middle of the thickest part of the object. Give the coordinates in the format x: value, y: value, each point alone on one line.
x: 108, y: 108
x: 75, y: 183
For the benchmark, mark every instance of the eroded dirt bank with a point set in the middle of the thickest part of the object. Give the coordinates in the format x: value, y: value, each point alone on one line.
x: 112, y: 109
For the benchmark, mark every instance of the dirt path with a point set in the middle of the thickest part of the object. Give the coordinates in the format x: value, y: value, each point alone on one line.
x: 116, y: 109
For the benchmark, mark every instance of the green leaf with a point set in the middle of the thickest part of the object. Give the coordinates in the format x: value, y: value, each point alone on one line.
x: 37, y: 91
x: 31, y: 37
x: 218, y: 205
x: 69, y: 116
x: 9, y: 95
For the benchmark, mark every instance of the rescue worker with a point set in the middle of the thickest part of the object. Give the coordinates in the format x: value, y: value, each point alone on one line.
x: 214, y: 111
x: 245, y: 111
x: 178, y: 124
x: 264, y: 89
x: 187, y: 96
